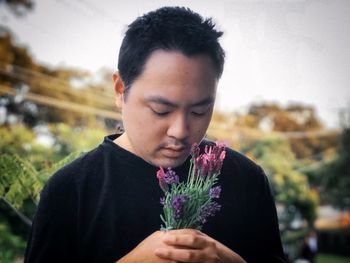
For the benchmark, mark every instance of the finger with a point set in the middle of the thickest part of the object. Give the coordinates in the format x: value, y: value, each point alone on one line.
x: 182, y: 255
x: 185, y: 231
x: 189, y: 240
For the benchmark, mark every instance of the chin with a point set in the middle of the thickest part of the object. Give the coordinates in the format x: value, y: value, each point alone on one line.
x: 165, y: 163
x: 172, y: 162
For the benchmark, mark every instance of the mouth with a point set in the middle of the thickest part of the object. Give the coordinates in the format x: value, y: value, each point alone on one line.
x: 174, y: 152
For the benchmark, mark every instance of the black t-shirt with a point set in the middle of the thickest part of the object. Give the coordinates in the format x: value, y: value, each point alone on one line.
x: 100, y: 206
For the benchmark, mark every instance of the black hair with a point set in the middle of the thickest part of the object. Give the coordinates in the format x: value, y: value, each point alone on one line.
x: 168, y: 28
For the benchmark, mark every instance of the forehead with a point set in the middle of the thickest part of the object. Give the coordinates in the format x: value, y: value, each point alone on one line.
x: 172, y: 74
x: 172, y: 59
x: 174, y: 66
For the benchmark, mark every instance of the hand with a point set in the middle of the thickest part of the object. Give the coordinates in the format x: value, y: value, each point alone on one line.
x: 188, y: 245
x: 144, y: 252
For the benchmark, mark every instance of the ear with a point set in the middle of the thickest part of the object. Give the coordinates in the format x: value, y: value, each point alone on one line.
x: 118, y: 89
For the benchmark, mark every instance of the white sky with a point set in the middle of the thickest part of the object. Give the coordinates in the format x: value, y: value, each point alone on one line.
x: 276, y: 50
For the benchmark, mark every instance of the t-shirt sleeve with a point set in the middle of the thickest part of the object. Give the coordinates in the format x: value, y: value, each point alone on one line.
x: 52, y: 236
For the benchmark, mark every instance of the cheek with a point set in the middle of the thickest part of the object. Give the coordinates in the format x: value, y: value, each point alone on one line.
x: 135, y: 118
x: 147, y: 127
x: 200, y: 127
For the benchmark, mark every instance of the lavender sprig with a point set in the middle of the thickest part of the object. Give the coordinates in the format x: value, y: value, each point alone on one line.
x: 189, y: 204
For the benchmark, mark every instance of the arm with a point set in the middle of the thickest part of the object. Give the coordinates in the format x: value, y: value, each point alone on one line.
x: 52, y: 235
x: 265, y: 225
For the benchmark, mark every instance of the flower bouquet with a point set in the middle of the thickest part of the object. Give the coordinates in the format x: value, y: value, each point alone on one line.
x: 189, y: 204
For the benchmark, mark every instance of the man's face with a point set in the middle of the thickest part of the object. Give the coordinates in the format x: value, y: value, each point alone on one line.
x: 168, y: 107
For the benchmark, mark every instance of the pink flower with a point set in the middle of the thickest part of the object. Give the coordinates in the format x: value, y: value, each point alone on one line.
x: 161, y: 179
x: 190, y: 204
x: 222, y: 155
x: 211, y: 160
x: 160, y: 173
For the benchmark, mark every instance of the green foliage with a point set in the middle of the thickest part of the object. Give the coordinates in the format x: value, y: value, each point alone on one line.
x: 25, y: 166
x: 15, y: 140
x: 11, y: 245
x: 273, y: 152
x: 294, y: 236
x: 69, y: 139
x: 325, y: 258
x: 48, y: 171
x: 336, y: 174
x: 21, y: 141
x: 332, y: 176
x: 21, y: 181
x: 291, y: 187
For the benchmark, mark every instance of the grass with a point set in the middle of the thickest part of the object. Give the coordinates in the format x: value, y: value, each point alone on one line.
x: 326, y: 258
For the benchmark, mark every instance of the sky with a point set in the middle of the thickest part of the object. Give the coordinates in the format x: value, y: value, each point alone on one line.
x: 281, y: 51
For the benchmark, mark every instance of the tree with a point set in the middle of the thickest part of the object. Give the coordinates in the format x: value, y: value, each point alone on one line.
x: 294, y: 117
x: 291, y: 187
x: 25, y: 165
x: 298, y: 122
x: 67, y: 95
x: 336, y: 175
x: 18, y: 7
x: 20, y: 185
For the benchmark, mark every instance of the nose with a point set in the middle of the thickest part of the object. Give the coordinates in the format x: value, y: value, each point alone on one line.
x: 178, y: 127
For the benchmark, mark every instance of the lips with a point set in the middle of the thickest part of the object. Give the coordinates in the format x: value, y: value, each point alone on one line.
x: 174, y: 152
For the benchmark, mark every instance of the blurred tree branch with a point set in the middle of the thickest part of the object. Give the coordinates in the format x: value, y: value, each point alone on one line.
x: 18, y: 7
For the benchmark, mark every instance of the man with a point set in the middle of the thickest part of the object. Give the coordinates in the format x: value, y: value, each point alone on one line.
x: 104, y: 206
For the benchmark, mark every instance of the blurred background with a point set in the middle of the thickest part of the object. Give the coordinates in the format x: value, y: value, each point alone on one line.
x: 283, y: 100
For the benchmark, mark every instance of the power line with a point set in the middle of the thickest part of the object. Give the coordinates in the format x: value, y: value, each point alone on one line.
x: 80, y: 7
x: 66, y: 105
x: 297, y: 134
x: 53, y: 83
x: 72, y: 8
x: 100, y: 11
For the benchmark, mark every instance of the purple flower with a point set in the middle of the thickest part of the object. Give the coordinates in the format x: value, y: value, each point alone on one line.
x: 181, y: 207
x: 171, y: 177
x: 207, y: 211
x: 215, y: 192
x: 165, y: 178
x: 178, y: 205
x: 195, y: 150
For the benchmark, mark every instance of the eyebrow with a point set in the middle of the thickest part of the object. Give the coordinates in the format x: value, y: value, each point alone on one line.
x: 161, y: 100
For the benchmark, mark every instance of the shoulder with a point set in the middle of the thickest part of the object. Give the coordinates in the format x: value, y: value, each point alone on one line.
x: 237, y: 160
x: 68, y: 176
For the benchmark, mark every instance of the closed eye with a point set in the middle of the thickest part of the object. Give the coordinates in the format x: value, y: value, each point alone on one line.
x: 198, y: 113
x: 160, y: 113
